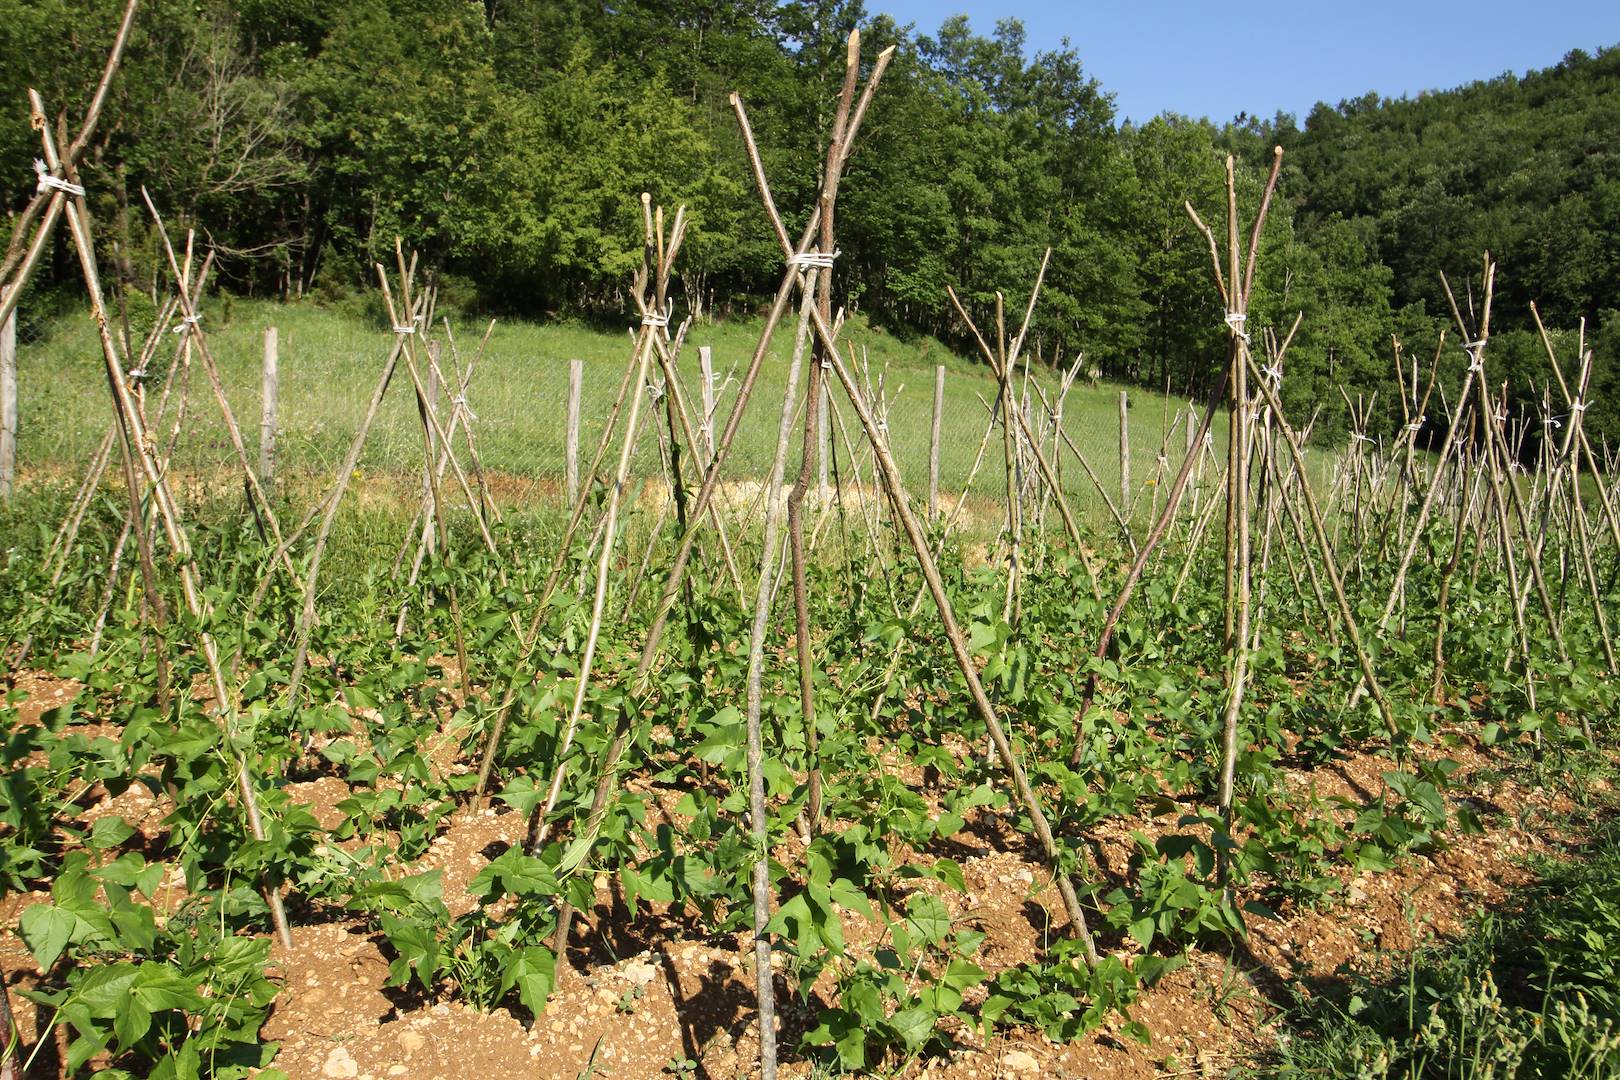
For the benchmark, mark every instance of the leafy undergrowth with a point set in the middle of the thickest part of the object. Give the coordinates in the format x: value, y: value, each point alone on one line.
x: 1531, y: 991
x: 151, y: 943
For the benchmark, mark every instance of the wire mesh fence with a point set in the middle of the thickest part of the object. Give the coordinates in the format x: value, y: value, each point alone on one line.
x: 518, y: 393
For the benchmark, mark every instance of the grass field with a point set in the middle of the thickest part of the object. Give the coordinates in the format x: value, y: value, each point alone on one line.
x: 330, y: 360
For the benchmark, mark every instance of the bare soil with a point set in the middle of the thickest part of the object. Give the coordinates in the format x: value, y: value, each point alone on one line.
x: 648, y: 992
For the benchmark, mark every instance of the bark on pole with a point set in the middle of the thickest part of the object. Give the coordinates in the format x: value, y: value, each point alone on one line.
x: 933, y: 443
x: 8, y: 404
x: 269, y: 398
x: 706, y: 369
x: 576, y: 380
x: 1125, y: 454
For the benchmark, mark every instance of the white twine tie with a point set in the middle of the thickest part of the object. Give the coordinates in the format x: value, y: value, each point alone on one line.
x: 461, y: 400
x: 188, y: 320
x: 47, y: 182
x: 1274, y: 373
x: 655, y: 320
x: 1579, y: 406
x: 1417, y: 425
x: 1472, y: 348
x: 1234, y: 323
x: 136, y: 374
x: 812, y: 260
x: 405, y: 328
x: 655, y: 391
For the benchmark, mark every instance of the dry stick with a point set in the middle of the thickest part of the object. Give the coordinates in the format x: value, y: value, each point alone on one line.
x: 757, y: 812
x: 959, y: 647
x: 1173, y: 501
x: 1499, y: 504
x: 531, y: 636
x: 1444, y: 594
x: 1577, y: 405
x: 683, y: 554
x: 654, y: 534
x: 62, y: 544
x: 939, y: 549
x: 621, y: 476
x: 1268, y: 499
x: 1124, y: 452
x: 269, y: 387
x: 605, y: 440
x: 17, y: 265
x: 1398, y: 587
x: 114, y: 563
x: 1015, y: 524
x: 1290, y: 478
x: 432, y: 437
x: 137, y: 444
x: 461, y: 418
x: 672, y: 584
x: 66, y: 537
x: 463, y: 412
x: 191, y: 329
x: 435, y: 438
x: 1102, y: 490
x: 306, y: 619
x: 8, y: 404
x: 1329, y: 562
x: 67, y: 533
x: 1414, y: 427
x: 576, y: 378
x: 258, y: 500
x: 681, y: 413
x: 1494, y: 441
x: 822, y: 285
x: 1195, y: 542
x: 10, y: 1039
x: 933, y: 442
x: 1044, y: 467
x: 1239, y: 554
x: 1532, y: 553
x: 154, y: 608
x: 1054, y: 416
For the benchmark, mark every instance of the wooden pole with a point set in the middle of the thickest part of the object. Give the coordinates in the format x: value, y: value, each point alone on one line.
x: 269, y: 398
x: 8, y: 404
x: 823, y: 440
x: 706, y: 368
x: 576, y: 379
x: 933, y: 443
x: 1124, y: 454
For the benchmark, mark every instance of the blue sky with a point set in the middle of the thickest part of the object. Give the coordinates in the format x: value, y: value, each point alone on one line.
x: 1178, y: 56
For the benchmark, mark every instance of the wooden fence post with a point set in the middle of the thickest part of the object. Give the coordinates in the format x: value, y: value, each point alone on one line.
x: 270, y: 393
x: 1124, y: 454
x: 706, y: 369
x: 576, y: 380
x: 8, y: 404
x: 933, y: 442
x: 824, y: 432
